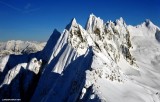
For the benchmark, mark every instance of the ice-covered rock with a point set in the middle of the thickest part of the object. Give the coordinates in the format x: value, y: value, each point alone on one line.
x: 109, y: 61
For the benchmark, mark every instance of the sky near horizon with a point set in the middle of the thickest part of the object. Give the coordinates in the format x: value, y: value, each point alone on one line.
x: 36, y: 19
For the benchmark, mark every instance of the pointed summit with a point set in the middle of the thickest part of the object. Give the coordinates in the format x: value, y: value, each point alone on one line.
x: 120, y: 22
x: 47, y: 51
x: 148, y: 23
x: 93, y: 22
x: 73, y: 23
x: 121, y: 19
x: 92, y: 16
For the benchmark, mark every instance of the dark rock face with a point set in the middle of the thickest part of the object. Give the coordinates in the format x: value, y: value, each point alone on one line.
x: 58, y: 73
x: 157, y: 35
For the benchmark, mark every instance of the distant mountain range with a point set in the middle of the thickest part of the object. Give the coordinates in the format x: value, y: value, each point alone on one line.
x: 103, y: 62
x: 20, y: 47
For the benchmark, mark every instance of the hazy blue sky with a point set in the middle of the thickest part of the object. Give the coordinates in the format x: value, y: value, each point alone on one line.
x: 36, y: 19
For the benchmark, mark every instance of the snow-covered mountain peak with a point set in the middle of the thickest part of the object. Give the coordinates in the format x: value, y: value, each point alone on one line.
x: 94, y: 23
x: 74, y: 21
x: 121, y: 19
x: 148, y: 24
x: 145, y: 29
x: 20, y: 47
x: 120, y: 22
x: 104, y: 62
x: 48, y: 49
x: 72, y: 24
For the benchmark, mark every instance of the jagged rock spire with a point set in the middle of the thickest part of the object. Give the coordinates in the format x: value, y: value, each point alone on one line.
x: 93, y: 22
x: 73, y: 23
x: 120, y: 22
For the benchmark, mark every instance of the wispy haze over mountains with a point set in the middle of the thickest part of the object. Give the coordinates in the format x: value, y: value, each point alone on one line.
x: 36, y: 19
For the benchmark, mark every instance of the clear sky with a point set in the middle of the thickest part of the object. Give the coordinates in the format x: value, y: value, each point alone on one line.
x: 36, y: 19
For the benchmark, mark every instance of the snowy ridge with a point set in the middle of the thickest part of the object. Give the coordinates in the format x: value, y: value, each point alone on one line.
x: 109, y: 61
x: 20, y: 47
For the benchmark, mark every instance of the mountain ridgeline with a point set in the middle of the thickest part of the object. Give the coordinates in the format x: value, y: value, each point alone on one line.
x: 103, y: 62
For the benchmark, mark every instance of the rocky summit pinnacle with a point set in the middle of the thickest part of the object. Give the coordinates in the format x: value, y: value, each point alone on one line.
x: 103, y: 62
x: 71, y: 24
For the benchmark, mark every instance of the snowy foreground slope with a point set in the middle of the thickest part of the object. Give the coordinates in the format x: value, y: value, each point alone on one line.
x: 103, y: 62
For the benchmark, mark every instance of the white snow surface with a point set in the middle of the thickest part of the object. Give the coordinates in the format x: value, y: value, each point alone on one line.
x: 20, y: 47
x: 103, y: 62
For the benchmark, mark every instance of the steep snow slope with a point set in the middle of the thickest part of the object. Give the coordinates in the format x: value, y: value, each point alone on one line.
x: 140, y: 80
x: 20, y: 81
x: 109, y: 62
x: 147, y: 46
x: 19, y: 74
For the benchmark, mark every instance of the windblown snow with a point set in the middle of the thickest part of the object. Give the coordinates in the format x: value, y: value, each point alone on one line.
x: 103, y: 62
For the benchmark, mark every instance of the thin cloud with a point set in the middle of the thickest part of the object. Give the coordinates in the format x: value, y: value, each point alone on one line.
x: 27, y: 6
x: 31, y: 10
x: 25, y: 10
x: 11, y: 6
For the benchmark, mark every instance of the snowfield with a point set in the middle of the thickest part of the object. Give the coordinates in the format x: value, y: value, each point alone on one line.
x: 103, y: 62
